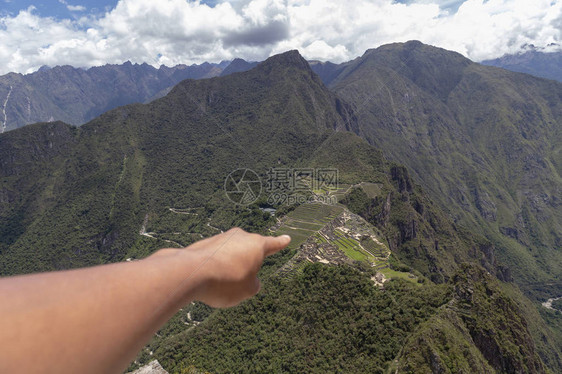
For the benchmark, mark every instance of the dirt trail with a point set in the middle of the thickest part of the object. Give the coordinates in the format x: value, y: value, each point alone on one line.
x: 548, y: 303
x: 213, y: 227
x: 182, y: 211
x: 143, y: 232
x: 153, y: 235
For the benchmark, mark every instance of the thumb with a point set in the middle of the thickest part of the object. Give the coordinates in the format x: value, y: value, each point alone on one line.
x: 275, y: 244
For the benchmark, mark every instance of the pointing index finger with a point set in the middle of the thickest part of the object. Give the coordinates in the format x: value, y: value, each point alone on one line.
x: 275, y: 244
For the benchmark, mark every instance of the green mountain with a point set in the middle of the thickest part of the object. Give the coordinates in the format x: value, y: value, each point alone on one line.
x: 365, y: 279
x: 484, y: 142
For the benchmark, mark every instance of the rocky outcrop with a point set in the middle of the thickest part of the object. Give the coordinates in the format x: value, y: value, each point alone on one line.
x: 153, y: 367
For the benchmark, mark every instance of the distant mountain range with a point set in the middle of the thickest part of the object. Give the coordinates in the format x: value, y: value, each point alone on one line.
x: 483, y: 143
x: 541, y: 64
x: 75, y: 95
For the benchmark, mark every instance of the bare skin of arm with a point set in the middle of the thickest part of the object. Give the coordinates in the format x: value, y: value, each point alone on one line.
x: 95, y: 320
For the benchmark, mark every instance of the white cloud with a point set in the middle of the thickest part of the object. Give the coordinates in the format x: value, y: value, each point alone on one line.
x: 73, y: 8
x: 180, y: 31
x: 76, y: 8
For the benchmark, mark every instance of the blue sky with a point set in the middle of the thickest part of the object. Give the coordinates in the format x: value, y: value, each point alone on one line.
x: 86, y: 33
x: 55, y: 8
x: 59, y: 9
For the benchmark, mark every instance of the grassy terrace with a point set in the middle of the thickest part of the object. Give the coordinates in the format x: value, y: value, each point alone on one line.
x: 389, y: 273
x: 338, y: 192
x: 379, y: 250
x: 306, y: 220
x: 371, y: 189
x: 350, y: 247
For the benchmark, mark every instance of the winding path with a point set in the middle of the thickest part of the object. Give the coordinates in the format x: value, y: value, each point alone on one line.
x: 153, y: 235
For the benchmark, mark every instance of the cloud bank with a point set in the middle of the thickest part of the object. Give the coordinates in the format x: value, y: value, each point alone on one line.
x: 179, y: 31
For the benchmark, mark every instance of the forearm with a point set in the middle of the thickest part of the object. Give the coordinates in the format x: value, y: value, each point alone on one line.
x: 105, y: 313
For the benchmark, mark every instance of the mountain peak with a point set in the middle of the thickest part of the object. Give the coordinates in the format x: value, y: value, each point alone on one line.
x: 409, y: 45
x: 434, y: 69
x: 420, y: 48
x: 289, y: 58
x: 238, y: 65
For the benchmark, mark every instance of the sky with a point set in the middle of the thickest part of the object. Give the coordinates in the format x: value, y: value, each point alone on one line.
x: 85, y: 33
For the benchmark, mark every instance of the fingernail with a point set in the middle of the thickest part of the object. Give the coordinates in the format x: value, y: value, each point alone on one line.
x: 286, y: 237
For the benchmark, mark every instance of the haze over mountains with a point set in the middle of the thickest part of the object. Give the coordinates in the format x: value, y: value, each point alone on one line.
x: 541, y: 64
x: 483, y: 143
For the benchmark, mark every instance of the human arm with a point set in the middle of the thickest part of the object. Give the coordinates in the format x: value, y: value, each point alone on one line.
x: 95, y: 320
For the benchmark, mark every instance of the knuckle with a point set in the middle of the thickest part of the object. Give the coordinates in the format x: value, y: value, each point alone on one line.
x: 235, y: 230
x: 255, y: 236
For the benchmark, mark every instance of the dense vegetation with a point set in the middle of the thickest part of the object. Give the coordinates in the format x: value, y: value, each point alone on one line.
x: 442, y: 344
x: 78, y: 197
x: 324, y: 320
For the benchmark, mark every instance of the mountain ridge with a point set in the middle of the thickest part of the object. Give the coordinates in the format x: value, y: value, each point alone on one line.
x: 75, y: 95
x: 454, y: 147
x: 541, y: 64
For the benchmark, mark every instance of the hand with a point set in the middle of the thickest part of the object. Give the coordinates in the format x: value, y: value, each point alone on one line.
x: 230, y: 262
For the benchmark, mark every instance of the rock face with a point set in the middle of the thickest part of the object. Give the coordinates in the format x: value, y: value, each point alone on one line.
x: 75, y: 95
x: 480, y: 330
x: 153, y: 367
